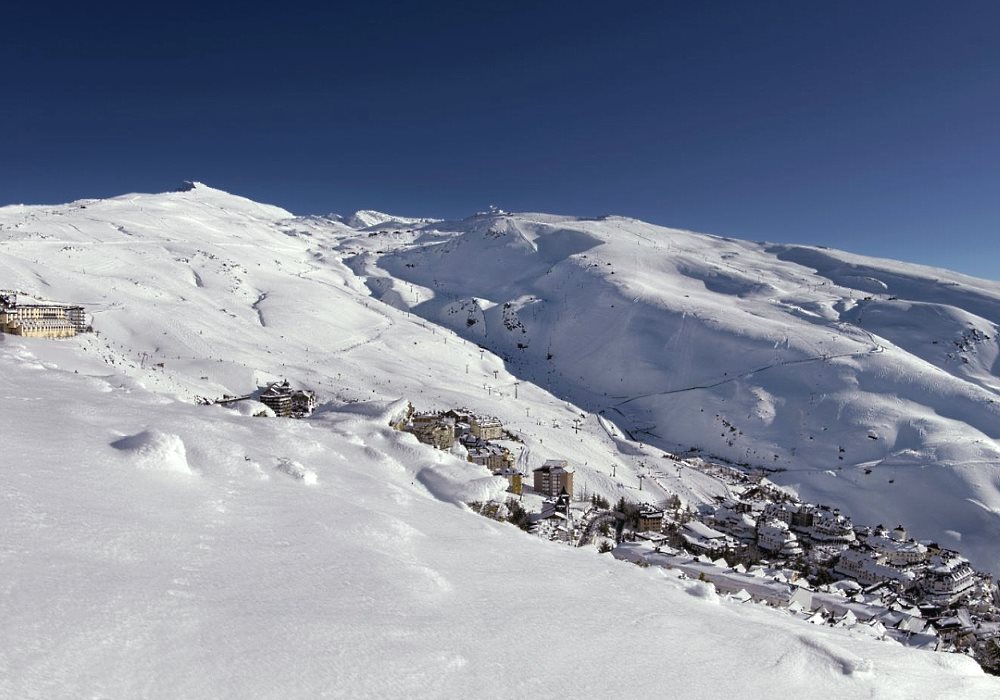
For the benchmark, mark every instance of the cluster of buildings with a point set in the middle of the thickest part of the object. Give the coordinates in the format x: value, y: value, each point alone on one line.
x: 287, y: 402
x: 871, y: 611
x: 479, y: 435
x: 280, y: 397
x: 40, y: 320
x: 816, y: 537
x: 763, y: 545
x: 914, y: 591
x: 555, y: 521
x: 442, y: 429
x: 812, y: 538
x: 554, y: 482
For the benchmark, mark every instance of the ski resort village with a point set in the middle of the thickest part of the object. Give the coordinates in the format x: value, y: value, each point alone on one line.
x: 338, y: 453
x: 755, y: 543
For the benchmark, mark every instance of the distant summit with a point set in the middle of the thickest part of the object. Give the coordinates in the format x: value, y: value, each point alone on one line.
x: 226, y: 201
x: 369, y: 218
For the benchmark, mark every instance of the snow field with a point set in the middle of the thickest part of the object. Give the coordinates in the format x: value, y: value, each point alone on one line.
x: 228, y: 583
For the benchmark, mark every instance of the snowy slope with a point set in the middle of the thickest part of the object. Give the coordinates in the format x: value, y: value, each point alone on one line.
x: 227, y: 295
x: 154, y: 548
x: 157, y: 548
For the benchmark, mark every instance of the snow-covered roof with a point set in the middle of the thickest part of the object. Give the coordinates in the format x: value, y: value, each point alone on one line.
x: 889, y: 544
x: 703, y: 531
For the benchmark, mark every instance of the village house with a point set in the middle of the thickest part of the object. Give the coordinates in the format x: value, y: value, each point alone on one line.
x: 433, y: 429
x: 40, y: 320
x: 825, y: 553
x: 278, y: 398
x: 947, y: 579
x: 554, y: 521
x: 461, y: 415
x: 657, y: 539
x: 907, y: 625
x: 956, y: 630
x: 776, y: 537
x: 800, y: 599
x: 763, y: 491
x: 869, y: 568
x: 493, y: 457
x: 548, y: 512
x: 515, y: 479
x: 553, y: 477
x: 303, y: 401
x: 486, y: 428
x: 830, y: 526
x: 898, y: 552
x: 287, y: 402
x: 784, y: 512
x: 818, y: 523
x: 737, y: 523
x: 700, y: 538
x: 562, y: 502
x: 650, y: 519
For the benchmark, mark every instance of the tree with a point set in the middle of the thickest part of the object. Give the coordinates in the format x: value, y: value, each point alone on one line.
x: 823, y: 576
x: 518, y: 515
x: 604, y: 547
x: 988, y: 655
x: 599, y: 502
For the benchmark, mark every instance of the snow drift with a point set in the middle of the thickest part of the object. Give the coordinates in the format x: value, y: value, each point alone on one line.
x: 155, y: 451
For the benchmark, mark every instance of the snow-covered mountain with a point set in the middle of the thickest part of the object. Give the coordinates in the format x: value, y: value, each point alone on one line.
x: 866, y: 383
x: 158, y: 548
x: 367, y: 219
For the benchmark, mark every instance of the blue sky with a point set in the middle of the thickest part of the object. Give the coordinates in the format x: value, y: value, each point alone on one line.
x: 873, y: 127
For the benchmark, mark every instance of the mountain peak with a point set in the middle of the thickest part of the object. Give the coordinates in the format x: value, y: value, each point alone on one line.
x: 198, y: 191
x: 368, y: 218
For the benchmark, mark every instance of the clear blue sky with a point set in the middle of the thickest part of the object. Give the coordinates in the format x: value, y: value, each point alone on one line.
x: 868, y: 126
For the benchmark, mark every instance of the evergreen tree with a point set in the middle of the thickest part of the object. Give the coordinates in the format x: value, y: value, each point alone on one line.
x: 518, y: 515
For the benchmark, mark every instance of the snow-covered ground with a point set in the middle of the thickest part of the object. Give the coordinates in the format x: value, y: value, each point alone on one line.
x: 157, y: 548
